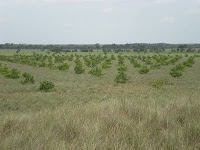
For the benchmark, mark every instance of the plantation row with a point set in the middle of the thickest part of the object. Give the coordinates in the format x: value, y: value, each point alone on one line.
x: 59, y: 61
x: 54, y: 61
x: 99, y: 62
x: 27, y: 78
x: 178, y: 70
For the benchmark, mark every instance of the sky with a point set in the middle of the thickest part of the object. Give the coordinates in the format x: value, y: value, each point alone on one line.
x: 99, y: 21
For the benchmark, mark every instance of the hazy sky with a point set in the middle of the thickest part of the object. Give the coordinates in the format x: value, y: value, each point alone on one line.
x: 99, y: 21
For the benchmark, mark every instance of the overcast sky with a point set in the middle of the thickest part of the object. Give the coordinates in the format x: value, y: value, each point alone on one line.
x: 99, y: 21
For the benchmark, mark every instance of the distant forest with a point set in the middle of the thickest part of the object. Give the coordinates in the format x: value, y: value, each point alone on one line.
x: 136, y: 47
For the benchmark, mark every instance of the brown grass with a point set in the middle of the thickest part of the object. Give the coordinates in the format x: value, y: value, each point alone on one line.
x: 91, y: 113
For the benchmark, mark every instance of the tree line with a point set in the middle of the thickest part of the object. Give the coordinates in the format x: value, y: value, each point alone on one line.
x: 135, y: 47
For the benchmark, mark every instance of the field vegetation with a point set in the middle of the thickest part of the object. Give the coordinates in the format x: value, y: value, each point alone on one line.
x: 99, y: 100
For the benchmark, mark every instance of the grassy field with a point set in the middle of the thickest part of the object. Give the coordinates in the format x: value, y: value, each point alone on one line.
x: 94, y: 113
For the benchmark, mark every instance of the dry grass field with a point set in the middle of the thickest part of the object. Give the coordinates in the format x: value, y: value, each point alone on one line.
x: 86, y: 112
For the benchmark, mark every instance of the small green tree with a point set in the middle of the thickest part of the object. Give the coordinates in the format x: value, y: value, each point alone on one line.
x: 28, y: 78
x: 13, y: 73
x: 122, y: 68
x: 107, y: 64
x: 120, y: 60
x: 160, y: 82
x: 179, y: 67
x: 79, y: 67
x: 97, y: 71
x: 50, y: 64
x: 46, y: 86
x: 144, y: 70
x: 63, y: 66
x: 113, y: 57
x: 121, y: 77
x: 4, y: 70
x: 175, y: 73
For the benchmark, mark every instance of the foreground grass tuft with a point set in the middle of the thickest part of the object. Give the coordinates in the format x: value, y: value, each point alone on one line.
x: 112, y: 124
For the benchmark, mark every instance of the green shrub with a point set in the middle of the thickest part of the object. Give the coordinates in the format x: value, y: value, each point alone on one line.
x: 160, y: 82
x: 179, y: 67
x: 95, y: 60
x: 13, y: 73
x: 120, y: 60
x: 175, y: 73
x: 42, y: 64
x: 28, y: 78
x: 71, y: 57
x: 46, y: 85
x: 175, y: 59
x: 122, y: 68
x: 121, y: 78
x: 79, y: 67
x: 155, y: 66
x: 136, y: 65
x: 134, y: 62
x: 149, y: 62
x: 189, y: 62
x: 144, y: 70
x: 96, y: 71
x: 63, y: 66
x: 4, y: 70
x: 87, y: 61
x: 50, y: 64
x: 107, y: 64
x: 113, y: 57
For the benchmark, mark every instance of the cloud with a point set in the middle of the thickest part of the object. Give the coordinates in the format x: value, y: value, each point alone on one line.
x: 164, y: 1
x: 194, y: 11
x: 107, y: 10
x: 69, y: 1
x: 124, y: 9
x: 68, y: 25
x: 83, y: 1
x: 111, y: 26
x: 51, y: 1
x: 2, y: 20
x: 168, y: 19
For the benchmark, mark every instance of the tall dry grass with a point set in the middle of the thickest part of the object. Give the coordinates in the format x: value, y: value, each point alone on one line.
x: 112, y: 124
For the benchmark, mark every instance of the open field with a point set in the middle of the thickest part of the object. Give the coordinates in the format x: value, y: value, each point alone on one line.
x: 91, y: 112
